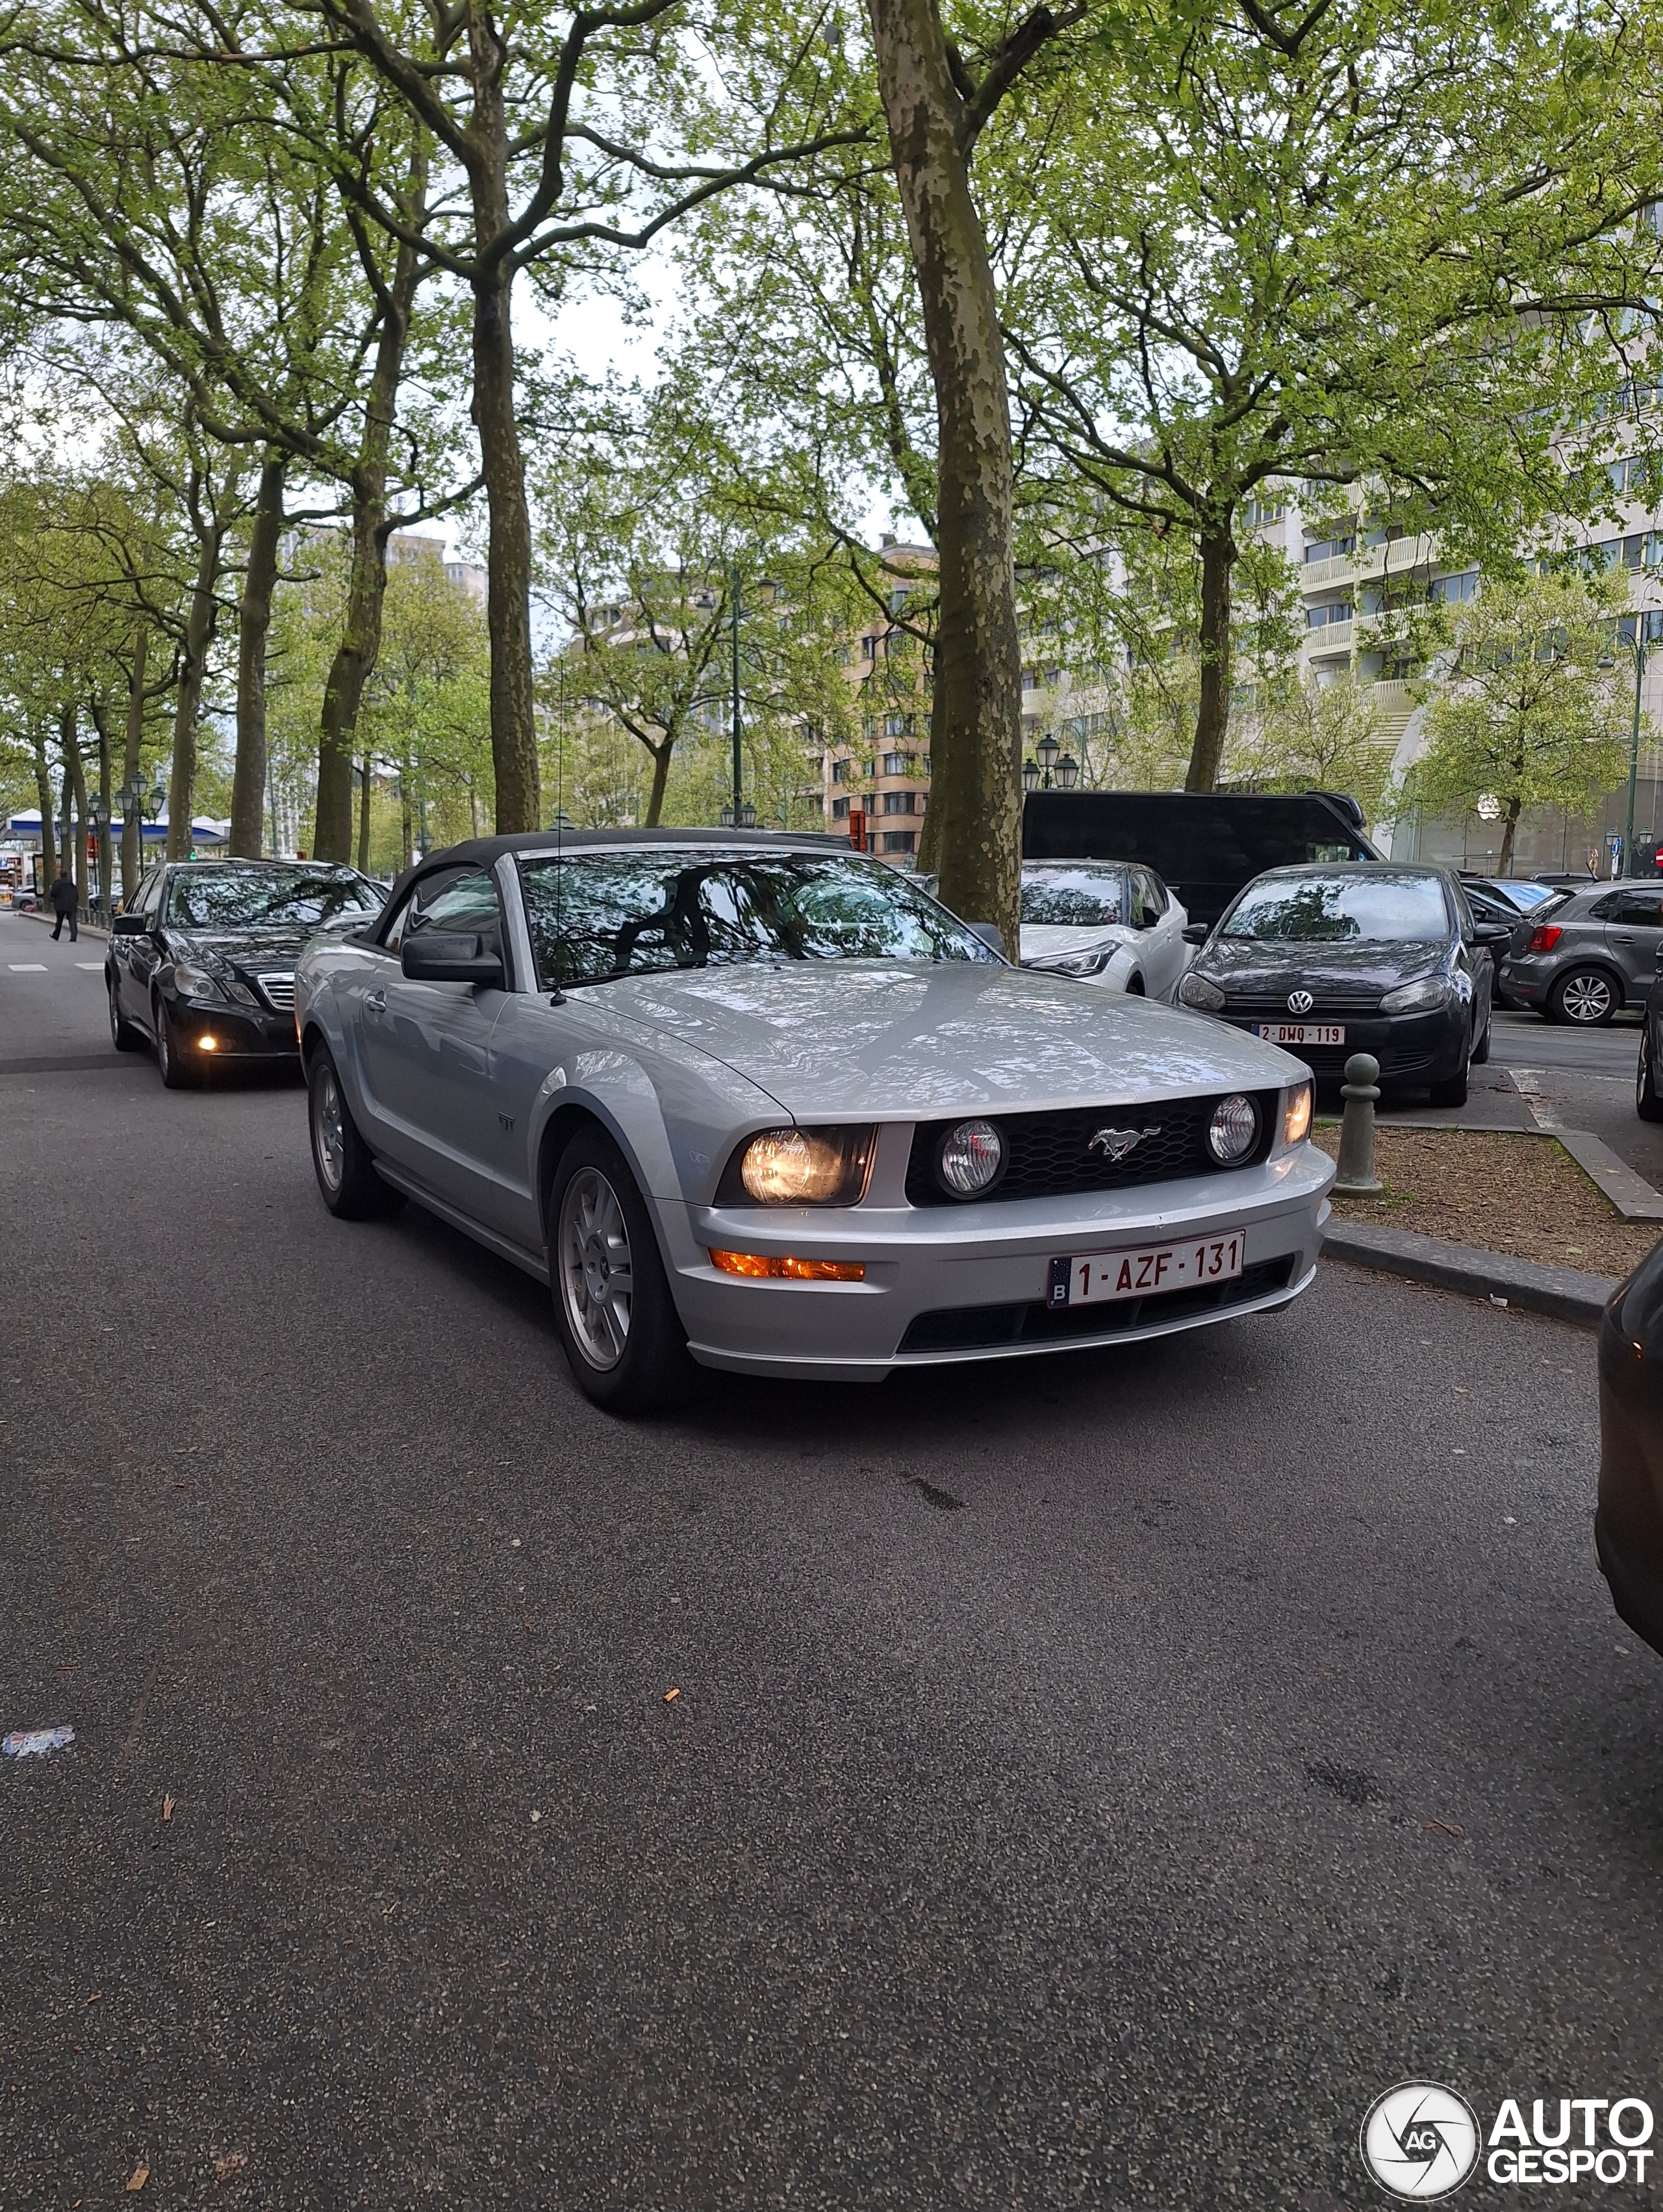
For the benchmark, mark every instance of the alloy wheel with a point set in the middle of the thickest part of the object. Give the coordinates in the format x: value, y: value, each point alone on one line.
x: 1586, y: 998
x: 328, y: 1128
x: 596, y: 1272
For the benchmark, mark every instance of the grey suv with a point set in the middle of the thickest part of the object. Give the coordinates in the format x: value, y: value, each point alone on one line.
x: 1581, y: 957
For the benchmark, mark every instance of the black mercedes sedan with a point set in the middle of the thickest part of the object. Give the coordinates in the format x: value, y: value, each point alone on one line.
x: 1628, y: 1527
x: 201, y: 961
x: 1367, y: 956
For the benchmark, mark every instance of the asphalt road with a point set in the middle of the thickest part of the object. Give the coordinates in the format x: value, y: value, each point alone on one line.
x: 1091, y: 1782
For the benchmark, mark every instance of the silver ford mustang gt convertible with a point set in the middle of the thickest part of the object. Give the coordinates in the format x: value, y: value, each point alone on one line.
x: 758, y: 1100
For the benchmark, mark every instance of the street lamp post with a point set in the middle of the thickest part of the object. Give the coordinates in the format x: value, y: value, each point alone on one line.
x: 1640, y: 644
x: 1046, y: 771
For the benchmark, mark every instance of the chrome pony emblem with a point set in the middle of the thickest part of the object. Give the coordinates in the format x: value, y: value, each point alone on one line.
x: 1300, y: 1002
x: 1115, y: 1144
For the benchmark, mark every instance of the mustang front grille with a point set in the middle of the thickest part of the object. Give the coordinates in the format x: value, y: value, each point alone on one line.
x: 1052, y: 1155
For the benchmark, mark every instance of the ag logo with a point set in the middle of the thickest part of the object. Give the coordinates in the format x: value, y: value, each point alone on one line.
x: 1300, y: 1002
x: 1420, y: 2140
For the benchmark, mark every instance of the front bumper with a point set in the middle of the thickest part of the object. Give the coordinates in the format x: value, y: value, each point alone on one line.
x: 971, y: 1283
x: 239, y: 1032
x: 1411, y: 1048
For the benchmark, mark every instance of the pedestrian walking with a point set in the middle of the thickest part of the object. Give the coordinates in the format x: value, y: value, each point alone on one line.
x: 65, y: 905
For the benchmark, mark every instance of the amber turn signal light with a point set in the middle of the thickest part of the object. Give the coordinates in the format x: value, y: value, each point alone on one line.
x: 782, y: 1265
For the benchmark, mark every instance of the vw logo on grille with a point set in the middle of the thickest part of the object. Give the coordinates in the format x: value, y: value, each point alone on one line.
x: 1115, y: 1144
x: 1300, y: 1002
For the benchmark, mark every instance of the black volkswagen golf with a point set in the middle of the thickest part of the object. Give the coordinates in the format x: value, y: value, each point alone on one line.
x: 1370, y: 956
x: 201, y: 958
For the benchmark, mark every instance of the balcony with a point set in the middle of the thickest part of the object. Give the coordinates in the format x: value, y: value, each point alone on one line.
x: 1330, y: 637
x: 1338, y: 568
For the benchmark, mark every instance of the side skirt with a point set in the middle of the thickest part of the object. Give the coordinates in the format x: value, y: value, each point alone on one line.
x: 504, y: 1247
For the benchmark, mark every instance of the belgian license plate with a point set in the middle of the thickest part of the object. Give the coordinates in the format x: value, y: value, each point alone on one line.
x: 1301, y: 1032
x: 1098, y: 1277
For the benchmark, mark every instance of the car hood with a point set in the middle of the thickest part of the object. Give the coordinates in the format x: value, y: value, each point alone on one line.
x: 1041, y: 939
x: 249, y: 948
x: 1247, y: 968
x: 899, y: 1040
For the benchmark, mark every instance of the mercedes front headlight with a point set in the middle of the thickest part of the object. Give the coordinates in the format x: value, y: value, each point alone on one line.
x: 1431, y: 992
x: 195, y: 982
x: 1196, y: 991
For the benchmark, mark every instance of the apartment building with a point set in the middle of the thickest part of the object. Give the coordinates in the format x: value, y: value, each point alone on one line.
x: 884, y: 774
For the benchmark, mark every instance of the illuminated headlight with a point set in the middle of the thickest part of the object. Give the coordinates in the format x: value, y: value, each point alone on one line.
x: 1296, y: 1115
x: 195, y: 982
x: 1196, y: 991
x: 970, y: 1160
x: 806, y: 1167
x: 1431, y: 991
x: 1075, y: 963
x: 1234, y: 1130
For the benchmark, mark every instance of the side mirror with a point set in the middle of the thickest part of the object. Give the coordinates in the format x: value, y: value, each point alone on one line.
x: 1493, y: 933
x: 988, y: 933
x: 1197, y: 933
x: 438, y: 957
x: 129, y: 925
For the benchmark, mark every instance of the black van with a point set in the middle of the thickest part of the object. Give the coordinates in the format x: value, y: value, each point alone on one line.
x: 1207, y: 844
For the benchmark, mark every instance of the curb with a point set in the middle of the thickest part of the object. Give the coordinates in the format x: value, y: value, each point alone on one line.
x: 88, y: 928
x: 1565, y: 1293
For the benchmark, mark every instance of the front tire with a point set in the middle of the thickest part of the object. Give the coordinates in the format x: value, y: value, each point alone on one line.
x: 1648, y: 1101
x: 1586, y: 998
x: 1481, y: 1050
x: 175, y: 1070
x: 122, y: 1036
x: 343, y: 1164
x: 1453, y: 1092
x: 622, y: 1338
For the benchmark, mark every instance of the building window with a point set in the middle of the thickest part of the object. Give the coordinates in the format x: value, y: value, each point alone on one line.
x: 897, y: 802
x: 1319, y: 617
x: 1330, y: 549
x: 868, y: 648
x: 840, y: 810
x: 900, y: 841
x: 840, y: 770
x: 1453, y: 591
x: 896, y: 764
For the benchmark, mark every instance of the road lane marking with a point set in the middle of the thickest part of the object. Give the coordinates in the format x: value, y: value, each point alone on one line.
x: 27, y: 967
x: 1526, y: 1082
x: 93, y: 966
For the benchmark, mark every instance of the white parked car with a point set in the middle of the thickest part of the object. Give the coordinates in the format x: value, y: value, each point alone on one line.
x: 1104, y: 921
x: 761, y: 1102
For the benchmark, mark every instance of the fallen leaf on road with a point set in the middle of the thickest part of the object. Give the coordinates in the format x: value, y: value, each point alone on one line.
x: 535, y: 1818
x: 670, y: 1696
x: 136, y: 2179
x: 233, y: 2162
x: 1444, y: 1828
x: 167, y: 1805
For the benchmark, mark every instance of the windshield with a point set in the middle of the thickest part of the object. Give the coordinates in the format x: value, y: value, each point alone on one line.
x: 1072, y: 898
x: 1343, y: 909
x: 269, y: 898
x: 595, y: 915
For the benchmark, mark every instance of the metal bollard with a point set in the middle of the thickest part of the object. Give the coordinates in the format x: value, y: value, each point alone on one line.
x: 1356, y: 1177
